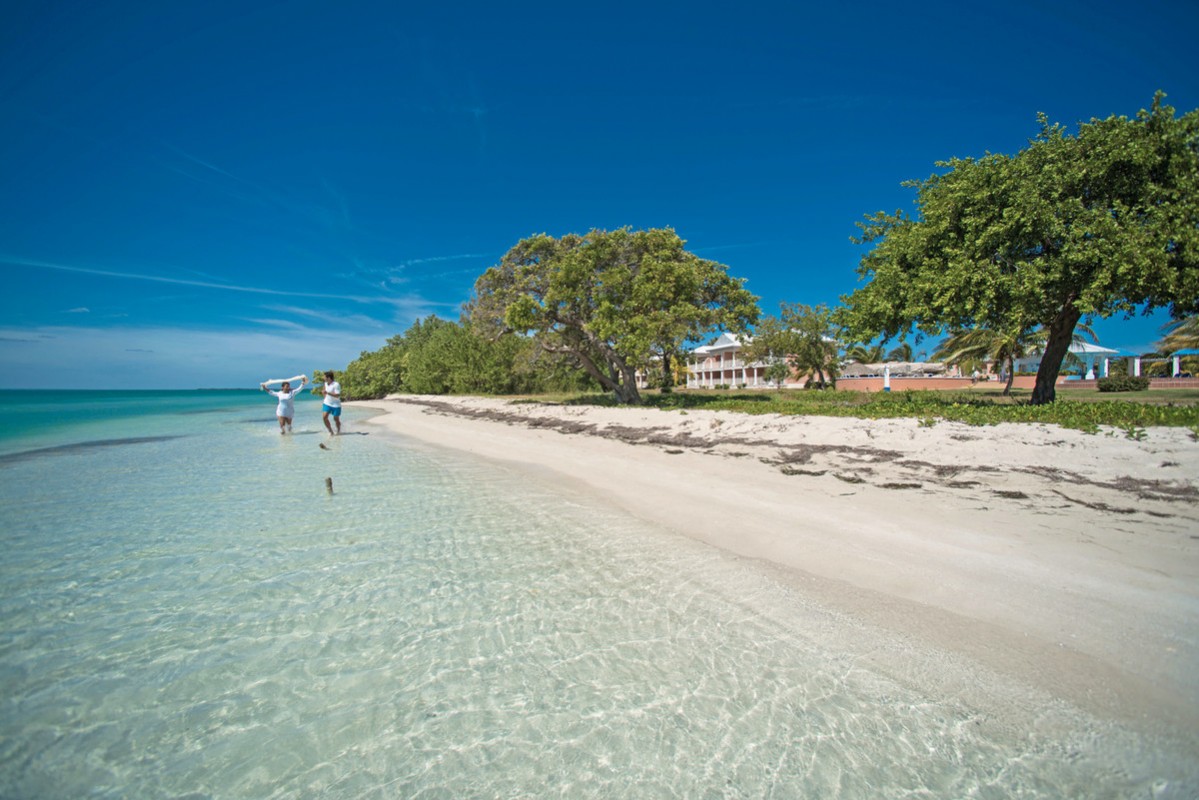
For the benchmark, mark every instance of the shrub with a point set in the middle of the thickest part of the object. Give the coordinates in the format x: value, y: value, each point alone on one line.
x: 1123, y: 383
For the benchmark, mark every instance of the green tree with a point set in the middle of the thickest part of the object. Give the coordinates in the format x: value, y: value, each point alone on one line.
x: 802, y: 337
x: 385, y: 371
x: 1103, y: 222
x: 436, y: 356
x: 610, y: 302
x: 436, y: 363
x: 777, y: 372
x: 375, y: 373
x: 457, y: 360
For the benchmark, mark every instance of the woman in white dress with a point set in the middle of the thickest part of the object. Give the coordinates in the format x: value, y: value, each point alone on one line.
x: 286, y: 409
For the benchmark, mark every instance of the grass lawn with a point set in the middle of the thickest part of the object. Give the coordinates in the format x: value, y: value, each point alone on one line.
x: 1152, y: 396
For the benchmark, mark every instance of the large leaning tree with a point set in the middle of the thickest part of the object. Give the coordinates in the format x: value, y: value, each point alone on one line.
x: 1099, y: 223
x: 611, y: 302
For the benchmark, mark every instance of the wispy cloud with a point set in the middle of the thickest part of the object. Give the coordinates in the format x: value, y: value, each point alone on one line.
x: 256, y: 193
x: 414, y: 269
x: 434, y: 259
x: 279, y: 323
x: 229, y: 287
x: 351, y: 321
x: 204, y: 164
x: 315, y: 227
x: 79, y: 310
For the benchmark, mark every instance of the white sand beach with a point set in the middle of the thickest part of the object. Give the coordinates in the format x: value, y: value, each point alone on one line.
x: 1050, y: 558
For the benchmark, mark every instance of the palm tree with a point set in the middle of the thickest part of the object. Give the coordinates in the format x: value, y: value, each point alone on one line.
x: 864, y: 354
x: 1004, y: 347
x: 1181, y: 334
x: 902, y: 352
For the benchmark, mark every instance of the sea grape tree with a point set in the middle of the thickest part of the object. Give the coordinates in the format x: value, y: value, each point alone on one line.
x: 611, y: 302
x: 1102, y: 222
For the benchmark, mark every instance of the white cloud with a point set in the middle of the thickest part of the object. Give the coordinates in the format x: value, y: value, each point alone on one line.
x: 229, y: 287
x: 79, y: 310
x: 285, y: 324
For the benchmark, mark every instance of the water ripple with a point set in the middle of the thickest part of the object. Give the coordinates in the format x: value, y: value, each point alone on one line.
x: 205, y: 620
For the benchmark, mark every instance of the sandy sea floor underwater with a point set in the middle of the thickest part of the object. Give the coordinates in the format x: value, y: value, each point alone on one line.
x: 187, y: 612
x: 1064, y: 562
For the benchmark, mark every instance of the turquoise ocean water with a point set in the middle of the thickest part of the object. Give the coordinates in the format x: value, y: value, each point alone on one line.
x: 185, y: 611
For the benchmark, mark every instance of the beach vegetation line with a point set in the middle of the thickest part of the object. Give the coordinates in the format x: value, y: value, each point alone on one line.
x: 1157, y: 408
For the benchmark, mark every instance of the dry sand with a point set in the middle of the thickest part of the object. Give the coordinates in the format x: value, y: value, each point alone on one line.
x: 1058, y: 560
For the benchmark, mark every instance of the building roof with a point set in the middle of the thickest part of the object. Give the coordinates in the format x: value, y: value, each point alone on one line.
x: 1078, y: 348
x: 894, y: 368
x: 729, y: 341
x: 725, y: 341
x: 1086, y: 348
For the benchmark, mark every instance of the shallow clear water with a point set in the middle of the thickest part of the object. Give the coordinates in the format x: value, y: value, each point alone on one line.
x: 185, y: 611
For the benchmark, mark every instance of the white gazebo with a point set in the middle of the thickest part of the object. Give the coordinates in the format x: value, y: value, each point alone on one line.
x: 1175, y: 361
x: 1092, y: 355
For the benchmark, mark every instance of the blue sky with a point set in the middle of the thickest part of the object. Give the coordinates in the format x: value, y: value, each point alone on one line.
x: 211, y: 194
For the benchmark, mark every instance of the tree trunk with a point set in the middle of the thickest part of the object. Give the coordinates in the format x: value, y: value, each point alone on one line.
x: 1011, y: 376
x: 621, y: 379
x: 627, y: 391
x: 592, y: 369
x: 1061, y: 336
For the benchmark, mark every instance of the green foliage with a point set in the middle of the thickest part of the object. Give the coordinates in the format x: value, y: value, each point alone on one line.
x: 864, y: 354
x: 1181, y: 334
x: 1123, y: 383
x: 1135, y: 433
x: 901, y: 352
x: 450, y: 361
x: 927, y: 406
x: 802, y: 338
x: 1103, y: 222
x: 610, y: 302
x: 436, y: 356
x: 373, y: 374
x: 777, y: 372
x: 1159, y: 367
x: 385, y: 371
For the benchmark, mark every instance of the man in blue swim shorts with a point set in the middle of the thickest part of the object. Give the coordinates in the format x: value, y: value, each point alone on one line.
x: 332, y: 405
